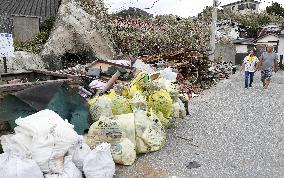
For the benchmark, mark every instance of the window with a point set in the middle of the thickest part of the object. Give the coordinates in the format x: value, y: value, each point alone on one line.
x: 275, y: 48
x: 241, y: 7
x: 253, y: 6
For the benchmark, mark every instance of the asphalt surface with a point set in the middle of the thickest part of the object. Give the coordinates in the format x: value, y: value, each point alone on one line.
x: 231, y: 132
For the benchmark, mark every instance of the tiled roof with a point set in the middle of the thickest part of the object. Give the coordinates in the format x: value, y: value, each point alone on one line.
x: 266, y: 31
x: 40, y: 8
x: 246, y: 41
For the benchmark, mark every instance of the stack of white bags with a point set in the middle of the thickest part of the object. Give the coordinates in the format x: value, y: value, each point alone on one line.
x: 44, y: 145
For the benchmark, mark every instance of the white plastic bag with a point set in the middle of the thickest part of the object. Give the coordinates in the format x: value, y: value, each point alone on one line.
x: 140, y: 65
x: 16, y: 144
x: 70, y: 170
x: 13, y: 166
x: 179, y: 111
x: 99, y: 163
x: 168, y: 74
x: 79, y: 152
x: 46, y: 137
x: 124, y: 152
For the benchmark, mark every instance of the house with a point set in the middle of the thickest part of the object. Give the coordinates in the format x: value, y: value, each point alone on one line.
x: 243, y: 6
x: 23, y: 17
x: 242, y: 47
x: 229, y: 29
x: 271, y: 28
x: 272, y: 34
x: 281, y: 47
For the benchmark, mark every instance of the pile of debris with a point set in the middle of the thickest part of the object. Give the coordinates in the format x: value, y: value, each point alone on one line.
x: 124, y: 102
x: 195, y: 71
x: 134, y: 117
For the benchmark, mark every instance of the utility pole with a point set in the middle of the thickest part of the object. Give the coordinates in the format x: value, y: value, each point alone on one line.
x: 213, y: 30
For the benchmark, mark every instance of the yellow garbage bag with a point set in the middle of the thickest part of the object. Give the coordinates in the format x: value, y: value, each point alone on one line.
x: 150, y: 133
x: 120, y: 105
x: 101, y: 107
x: 119, y: 131
x: 92, y: 101
x: 136, y: 85
x: 161, y: 101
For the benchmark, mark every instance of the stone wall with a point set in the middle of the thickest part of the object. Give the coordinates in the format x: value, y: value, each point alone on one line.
x: 225, y: 52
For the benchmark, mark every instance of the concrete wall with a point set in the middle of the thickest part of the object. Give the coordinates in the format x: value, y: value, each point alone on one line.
x: 267, y: 39
x: 281, y: 47
x: 25, y: 27
x: 241, y: 48
x: 225, y: 52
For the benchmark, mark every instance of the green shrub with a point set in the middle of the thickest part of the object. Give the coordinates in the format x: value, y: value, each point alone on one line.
x: 34, y: 45
x: 47, y: 25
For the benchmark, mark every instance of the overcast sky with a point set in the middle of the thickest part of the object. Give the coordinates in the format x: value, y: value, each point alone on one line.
x: 183, y: 8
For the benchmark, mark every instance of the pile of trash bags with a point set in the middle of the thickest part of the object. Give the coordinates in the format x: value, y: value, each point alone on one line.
x: 133, y: 118
x: 45, y: 145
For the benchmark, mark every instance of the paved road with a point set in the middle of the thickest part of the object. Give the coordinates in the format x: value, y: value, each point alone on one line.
x: 231, y: 132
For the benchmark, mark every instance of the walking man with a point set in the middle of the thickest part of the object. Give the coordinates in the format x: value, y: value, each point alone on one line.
x: 268, y: 64
x: 250, y: 64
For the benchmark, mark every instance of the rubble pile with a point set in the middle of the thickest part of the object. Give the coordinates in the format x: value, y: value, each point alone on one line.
x: 194, y: 71
x: 131, y: 102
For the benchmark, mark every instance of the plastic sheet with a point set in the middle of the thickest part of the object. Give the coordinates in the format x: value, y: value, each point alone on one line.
x: 99, y: 163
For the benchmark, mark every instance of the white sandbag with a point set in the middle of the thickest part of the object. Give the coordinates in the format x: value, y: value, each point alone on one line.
x: 70, y: 170
x: 124, y: 152
x: 51, y: 139
x: 16, y: 144
x: 79, y: 152
x: 42, y: 122
x: 99, y: 163
x: 12, y: 166
x: 150, y: 133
